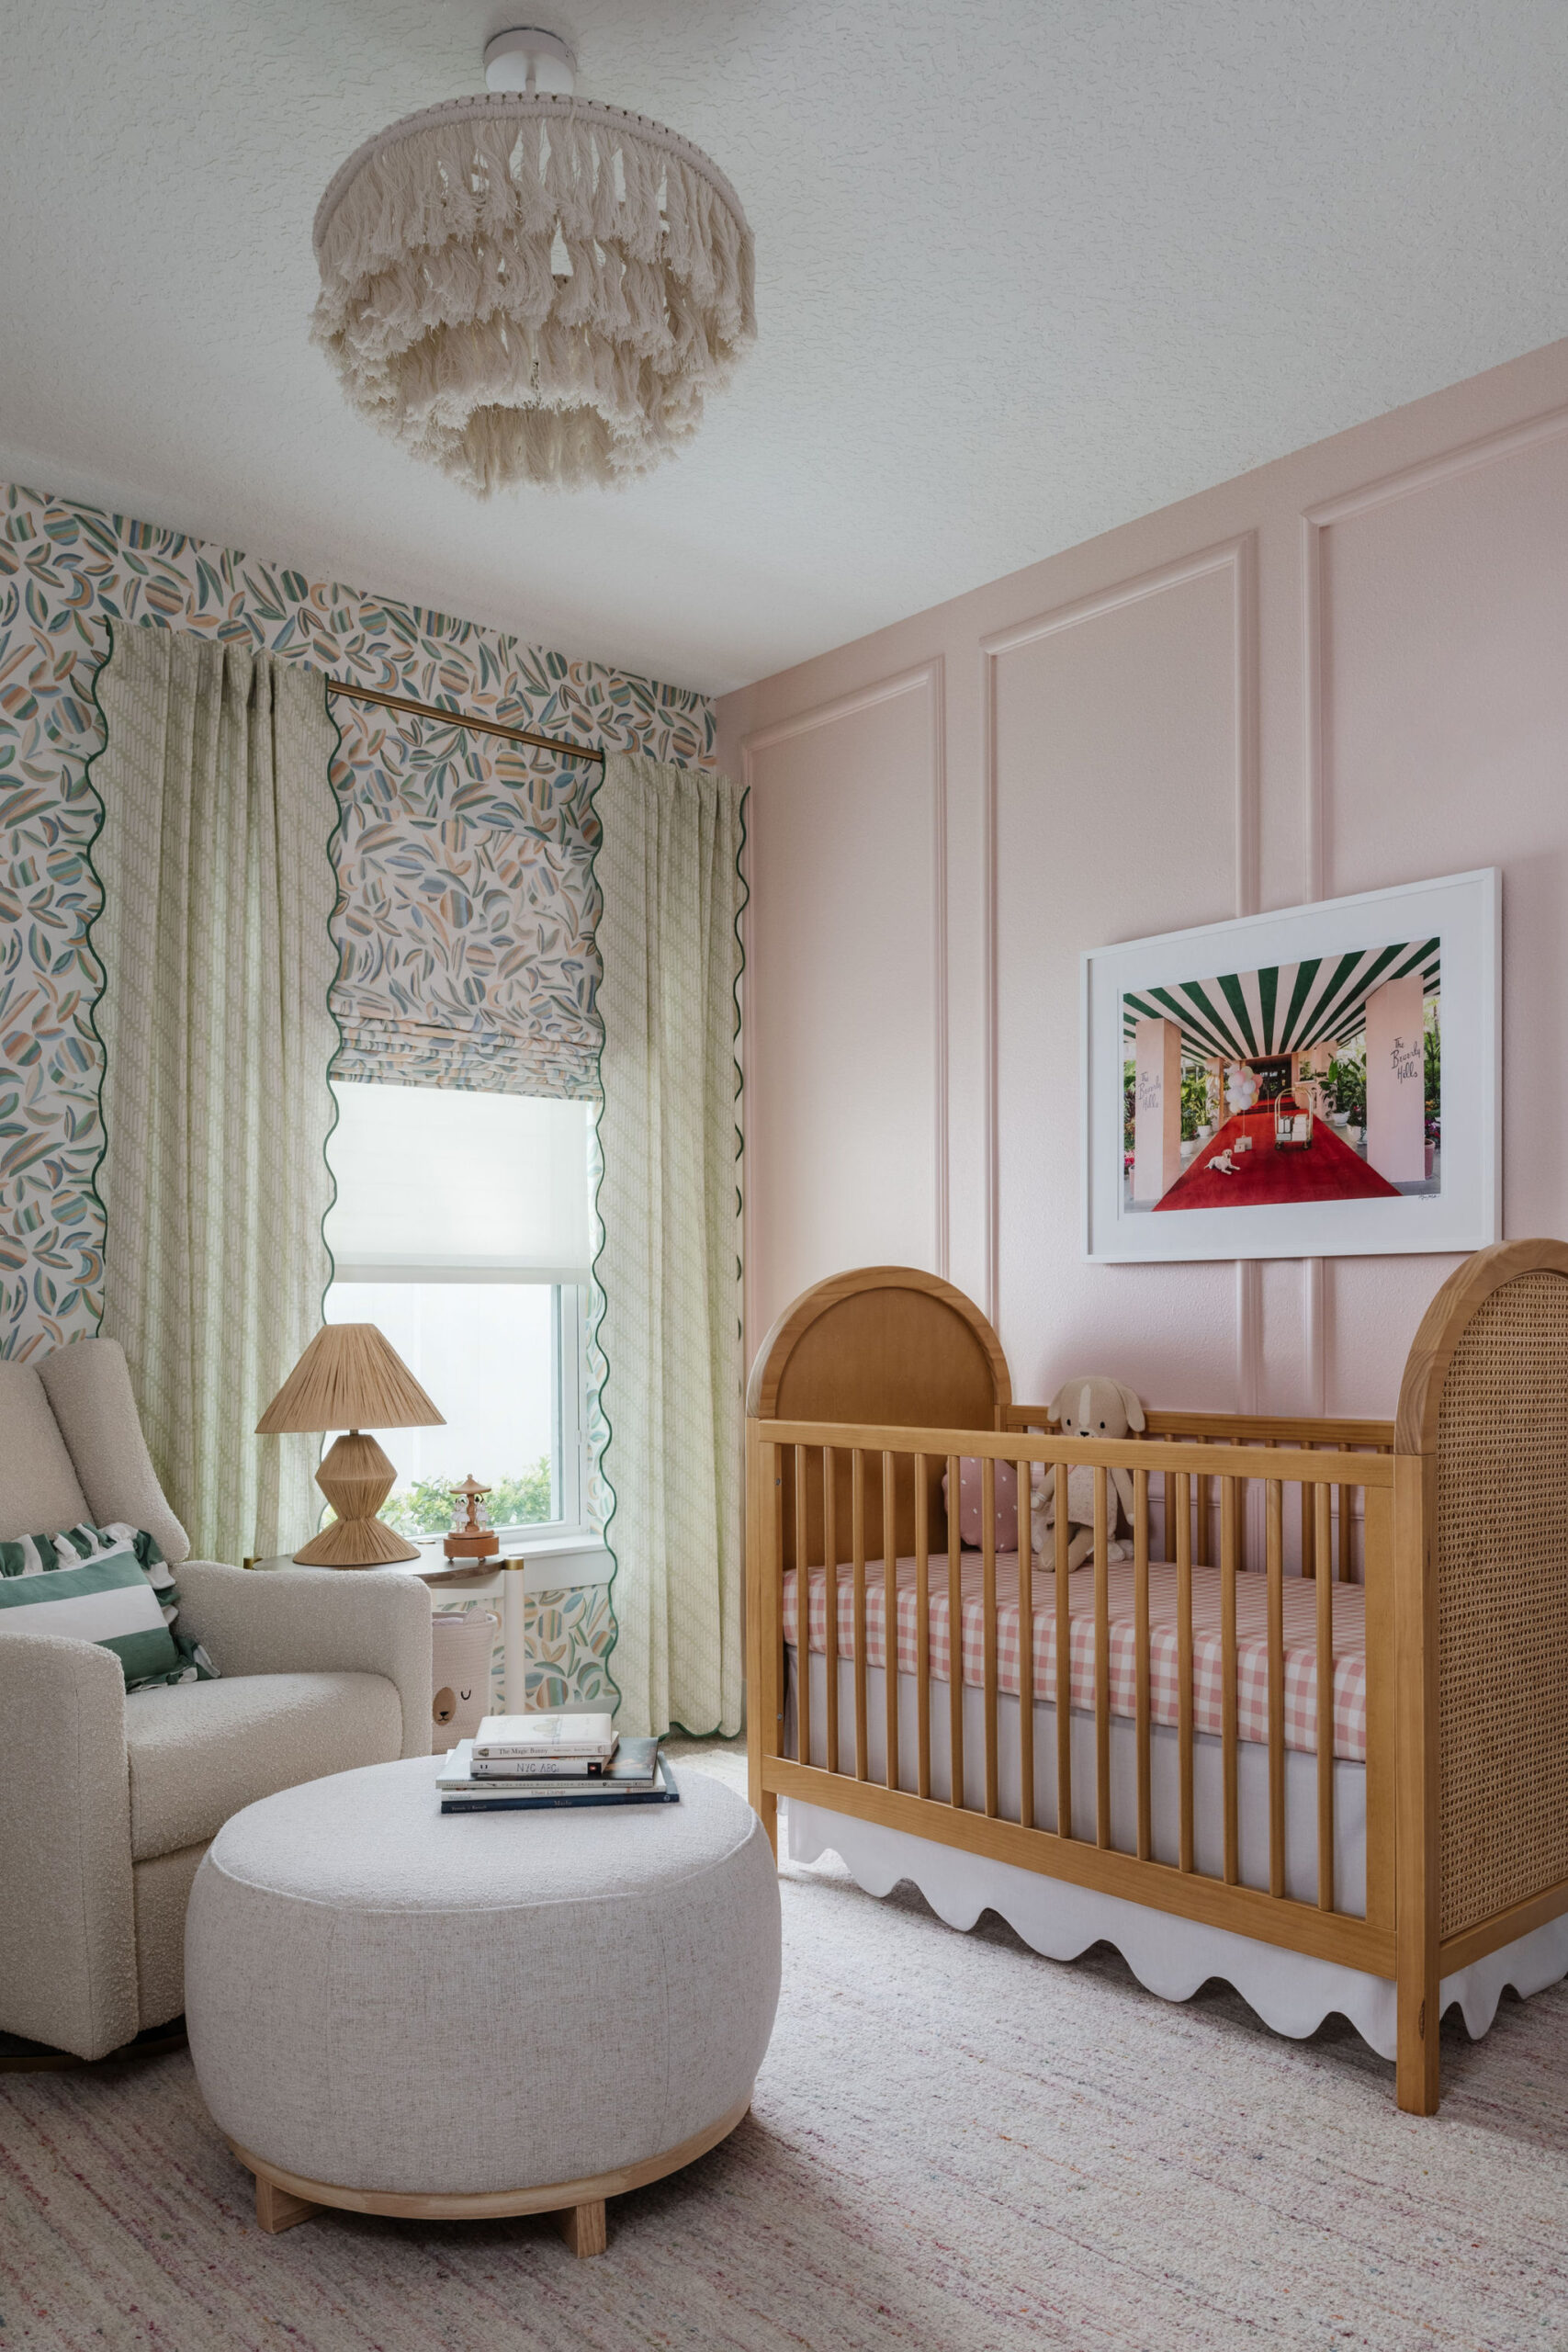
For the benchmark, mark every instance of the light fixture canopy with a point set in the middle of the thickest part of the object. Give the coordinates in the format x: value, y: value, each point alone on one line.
x: 527, y: 58
x: 530, y: 285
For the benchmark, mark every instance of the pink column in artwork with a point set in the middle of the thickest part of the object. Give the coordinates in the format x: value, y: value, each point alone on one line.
x: 1156, y: 1100
x: 1396, y: 1082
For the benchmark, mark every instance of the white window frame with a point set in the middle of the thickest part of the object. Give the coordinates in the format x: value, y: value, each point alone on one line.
x: 569, y: 1388
x: 568, y: 1416
x: 568, y: 1380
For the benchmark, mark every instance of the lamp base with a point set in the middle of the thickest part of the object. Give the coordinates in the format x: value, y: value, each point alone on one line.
x: 356, y: 1543
x: 356, y: 1478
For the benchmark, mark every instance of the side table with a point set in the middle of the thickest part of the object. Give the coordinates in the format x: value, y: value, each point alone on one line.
x: 466, y: 1580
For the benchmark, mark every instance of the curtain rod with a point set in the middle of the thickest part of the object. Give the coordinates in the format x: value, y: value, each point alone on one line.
x: 460, y: 718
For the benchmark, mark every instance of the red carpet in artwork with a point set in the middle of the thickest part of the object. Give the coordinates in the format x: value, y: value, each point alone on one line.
x: 1327, y: 1169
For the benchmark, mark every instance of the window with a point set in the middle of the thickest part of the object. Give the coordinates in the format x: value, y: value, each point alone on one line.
x: 461, y: 1230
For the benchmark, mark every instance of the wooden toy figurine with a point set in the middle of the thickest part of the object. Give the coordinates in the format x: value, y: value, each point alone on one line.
x: 471, y: 1541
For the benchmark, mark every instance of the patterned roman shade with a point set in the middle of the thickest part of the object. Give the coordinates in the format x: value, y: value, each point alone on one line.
x: 465, y: 915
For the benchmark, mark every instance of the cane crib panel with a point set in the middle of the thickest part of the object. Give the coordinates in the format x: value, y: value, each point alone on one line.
x: 1502, y: 1570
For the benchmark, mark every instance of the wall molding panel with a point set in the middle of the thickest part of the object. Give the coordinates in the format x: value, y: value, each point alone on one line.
x: 1408, y: 481
x: 1319, y: 875
x: 928, y: 678
x: 1238, y: 559
x: 1418, y: 653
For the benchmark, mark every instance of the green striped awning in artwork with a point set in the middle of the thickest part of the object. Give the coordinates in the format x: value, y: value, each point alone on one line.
x: 1283, y: 1008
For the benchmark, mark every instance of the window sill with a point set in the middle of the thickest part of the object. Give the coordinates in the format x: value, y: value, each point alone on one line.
x: 555, y: 1562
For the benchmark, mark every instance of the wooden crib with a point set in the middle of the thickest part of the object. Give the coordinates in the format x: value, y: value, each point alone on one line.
x: 1453, y: 1520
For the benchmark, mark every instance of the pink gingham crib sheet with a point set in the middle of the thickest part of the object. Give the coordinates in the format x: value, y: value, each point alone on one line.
x: 1252, y: 1642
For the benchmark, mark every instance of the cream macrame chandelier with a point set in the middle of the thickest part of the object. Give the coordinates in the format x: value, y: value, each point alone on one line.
x: 530, y: 285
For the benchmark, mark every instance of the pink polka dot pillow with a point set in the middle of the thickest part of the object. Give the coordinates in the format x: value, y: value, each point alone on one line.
x: 971, y: 1526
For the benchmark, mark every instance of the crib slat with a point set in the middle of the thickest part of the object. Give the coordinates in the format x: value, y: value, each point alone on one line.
x: 1167, y: 1513
x: 1200, y: 1542
x: 989, y: 1624
x: 857, y: 1574
x: 1102, y: 1657
x: 802, y: 1610
x: 777, y: 1658
x: 1347, y: 1533
x: 1140, y: 1635
x: 1309, y: 1522
x: 1231, y: 1493
x: 1025, y: 1649
x: 1324, y: 1706
x: 1382, y: 1729
x: 954, y: 1641
x: 890, y: 1614
x: 1184, y: 1726
x: 922, y: 1631
x: 830, y: 1600
x: 1064, y: 1665
x: 1275, y: 1520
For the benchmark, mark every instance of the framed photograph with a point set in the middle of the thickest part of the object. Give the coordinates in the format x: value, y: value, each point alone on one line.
x: 1319, y: 1082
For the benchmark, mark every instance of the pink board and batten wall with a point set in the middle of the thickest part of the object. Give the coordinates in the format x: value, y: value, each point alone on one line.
x: 1344, y: 671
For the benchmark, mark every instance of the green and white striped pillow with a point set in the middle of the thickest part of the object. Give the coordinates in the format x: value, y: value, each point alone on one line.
x: 109, y: 1585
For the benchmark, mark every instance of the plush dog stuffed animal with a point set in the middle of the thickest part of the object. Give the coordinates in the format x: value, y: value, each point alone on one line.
x: 1091, y: 1405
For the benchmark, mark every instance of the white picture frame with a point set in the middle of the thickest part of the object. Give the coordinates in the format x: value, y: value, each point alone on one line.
x: 1287, y: 983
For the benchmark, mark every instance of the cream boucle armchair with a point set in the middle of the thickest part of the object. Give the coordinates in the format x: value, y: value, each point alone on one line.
x: 110, y: 1799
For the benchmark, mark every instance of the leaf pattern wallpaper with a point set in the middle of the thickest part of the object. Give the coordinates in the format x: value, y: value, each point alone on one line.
x: 445, y: 836
x: 565, y: 1643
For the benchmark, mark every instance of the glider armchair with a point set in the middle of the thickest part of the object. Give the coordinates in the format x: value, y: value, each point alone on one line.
x: 109, y: 1799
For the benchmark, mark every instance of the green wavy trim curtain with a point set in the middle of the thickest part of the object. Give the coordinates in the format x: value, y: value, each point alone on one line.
x: 669, y: 1269
x: 215, y: 857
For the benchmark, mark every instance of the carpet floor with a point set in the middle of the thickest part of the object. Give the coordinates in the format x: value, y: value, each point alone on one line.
x: 955, y: 2146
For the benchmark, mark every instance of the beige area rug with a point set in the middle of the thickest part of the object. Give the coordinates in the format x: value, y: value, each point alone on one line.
x: 955, y: 2146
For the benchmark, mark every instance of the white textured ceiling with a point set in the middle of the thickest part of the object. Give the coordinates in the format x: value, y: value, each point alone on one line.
x: 1026, y: 268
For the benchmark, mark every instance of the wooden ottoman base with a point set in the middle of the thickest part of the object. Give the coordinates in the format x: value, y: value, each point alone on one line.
x: 577, y: 2207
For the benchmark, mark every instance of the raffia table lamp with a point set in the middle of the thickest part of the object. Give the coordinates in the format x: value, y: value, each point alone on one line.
x: 348, y: 1376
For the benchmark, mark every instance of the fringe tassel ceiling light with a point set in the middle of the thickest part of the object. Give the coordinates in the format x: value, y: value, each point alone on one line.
x: 530, y: 285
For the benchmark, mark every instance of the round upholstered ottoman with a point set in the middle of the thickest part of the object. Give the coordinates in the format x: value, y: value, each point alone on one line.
x: 401, y: 2011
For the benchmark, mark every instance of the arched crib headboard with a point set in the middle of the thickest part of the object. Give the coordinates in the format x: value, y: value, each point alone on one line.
x: 882, y: 1343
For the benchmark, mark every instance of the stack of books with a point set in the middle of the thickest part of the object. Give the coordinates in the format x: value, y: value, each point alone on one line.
x: 528, y: 1763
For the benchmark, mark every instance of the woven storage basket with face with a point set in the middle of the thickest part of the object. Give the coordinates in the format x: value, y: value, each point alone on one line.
x: 461, y: 1642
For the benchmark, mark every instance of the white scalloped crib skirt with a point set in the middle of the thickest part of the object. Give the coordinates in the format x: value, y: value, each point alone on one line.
x: 1292, y: 1993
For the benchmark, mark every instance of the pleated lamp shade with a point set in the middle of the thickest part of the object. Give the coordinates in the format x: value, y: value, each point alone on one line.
x: 349, y: 1379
